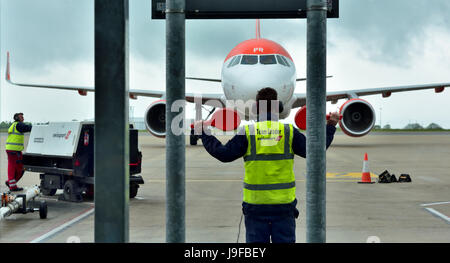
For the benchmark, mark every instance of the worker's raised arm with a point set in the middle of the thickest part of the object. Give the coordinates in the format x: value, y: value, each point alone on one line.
x: 22, y: 127
x: 232, y: 150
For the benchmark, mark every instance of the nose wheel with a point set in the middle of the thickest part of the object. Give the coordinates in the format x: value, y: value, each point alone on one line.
x: 193, y: 138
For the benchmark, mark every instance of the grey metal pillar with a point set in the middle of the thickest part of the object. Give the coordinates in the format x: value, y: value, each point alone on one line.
x: 1, y: 55
x: 175, y: 144
x: 111, y: 121
x: 315, y: 121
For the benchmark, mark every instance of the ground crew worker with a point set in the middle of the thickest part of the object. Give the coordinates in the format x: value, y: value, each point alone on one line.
x: 268, y: 148
x: 14, y: 147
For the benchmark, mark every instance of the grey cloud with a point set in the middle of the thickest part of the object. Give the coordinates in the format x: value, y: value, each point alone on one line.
x: 147, y: 36
x: 217, y: 37
x: 37, y: 32
x: 386, y: 29
x: 40, y: 32
x: 211, y: 37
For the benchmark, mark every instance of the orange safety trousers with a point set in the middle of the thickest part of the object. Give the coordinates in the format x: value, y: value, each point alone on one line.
x: 15, y: 168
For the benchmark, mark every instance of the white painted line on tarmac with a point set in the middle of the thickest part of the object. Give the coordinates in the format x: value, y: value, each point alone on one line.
x: 438, y: 214
x: 48, y: 198
x: 63, y: 226
x: 437, y: 203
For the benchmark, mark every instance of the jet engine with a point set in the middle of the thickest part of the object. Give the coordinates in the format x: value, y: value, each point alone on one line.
x: 358, y: 117
x: 155, y: 118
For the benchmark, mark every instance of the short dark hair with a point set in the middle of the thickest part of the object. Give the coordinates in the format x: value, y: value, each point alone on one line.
x: 16, y: 116
x: 266, y: 94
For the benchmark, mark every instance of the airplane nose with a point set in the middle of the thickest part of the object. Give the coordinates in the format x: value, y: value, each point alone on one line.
x: 247, y: 83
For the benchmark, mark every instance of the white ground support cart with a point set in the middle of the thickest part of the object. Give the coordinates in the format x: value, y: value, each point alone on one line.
x: 63, y: 154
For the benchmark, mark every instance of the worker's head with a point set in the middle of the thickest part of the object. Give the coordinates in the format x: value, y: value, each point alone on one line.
x: 265, y: 99
x: 18, y: 117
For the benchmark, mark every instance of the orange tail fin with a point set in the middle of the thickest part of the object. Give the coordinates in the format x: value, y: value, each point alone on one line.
x: 8, y: 77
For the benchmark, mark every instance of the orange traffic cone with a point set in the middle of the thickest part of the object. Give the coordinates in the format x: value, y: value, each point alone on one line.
x: 365, y: 179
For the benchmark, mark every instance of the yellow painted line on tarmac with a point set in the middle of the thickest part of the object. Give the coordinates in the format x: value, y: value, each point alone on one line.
x: 348, y: 175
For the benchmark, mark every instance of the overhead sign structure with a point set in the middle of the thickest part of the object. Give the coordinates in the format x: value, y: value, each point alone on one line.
x: 241, y: 9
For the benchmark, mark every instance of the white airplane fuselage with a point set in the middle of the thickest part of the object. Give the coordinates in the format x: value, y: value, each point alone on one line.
x: 255, y: 64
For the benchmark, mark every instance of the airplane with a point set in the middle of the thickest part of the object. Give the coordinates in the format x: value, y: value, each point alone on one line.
x: 251, y: 65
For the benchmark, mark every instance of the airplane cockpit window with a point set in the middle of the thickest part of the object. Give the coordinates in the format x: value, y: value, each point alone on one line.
x: 281, y: 61
x: 235, y: 62
x: 249, y: 60
x: 232, y: 61
x: 285, y: 61
x: 267, y: 59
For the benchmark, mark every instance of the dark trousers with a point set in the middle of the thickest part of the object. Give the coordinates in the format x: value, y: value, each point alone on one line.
x: 263, y: 229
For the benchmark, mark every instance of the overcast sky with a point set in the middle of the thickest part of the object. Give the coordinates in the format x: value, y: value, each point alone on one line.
x: 374, y: 43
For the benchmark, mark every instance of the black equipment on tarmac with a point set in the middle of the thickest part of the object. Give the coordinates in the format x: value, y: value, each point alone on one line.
x: 385, y: 177
x: 404, y: 178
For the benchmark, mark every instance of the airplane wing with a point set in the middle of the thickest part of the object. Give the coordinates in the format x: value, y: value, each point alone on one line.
x: 205, y: 79
x: 334, y: 96
x: 303, y: 79
x: 133, y: 93
x: 219, y: 80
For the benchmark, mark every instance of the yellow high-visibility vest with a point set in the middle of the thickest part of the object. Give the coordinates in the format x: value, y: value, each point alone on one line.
x: 15, y: 139
x: 269, y: 164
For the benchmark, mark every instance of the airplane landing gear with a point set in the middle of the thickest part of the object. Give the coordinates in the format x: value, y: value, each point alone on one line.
x: 193, y: 138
